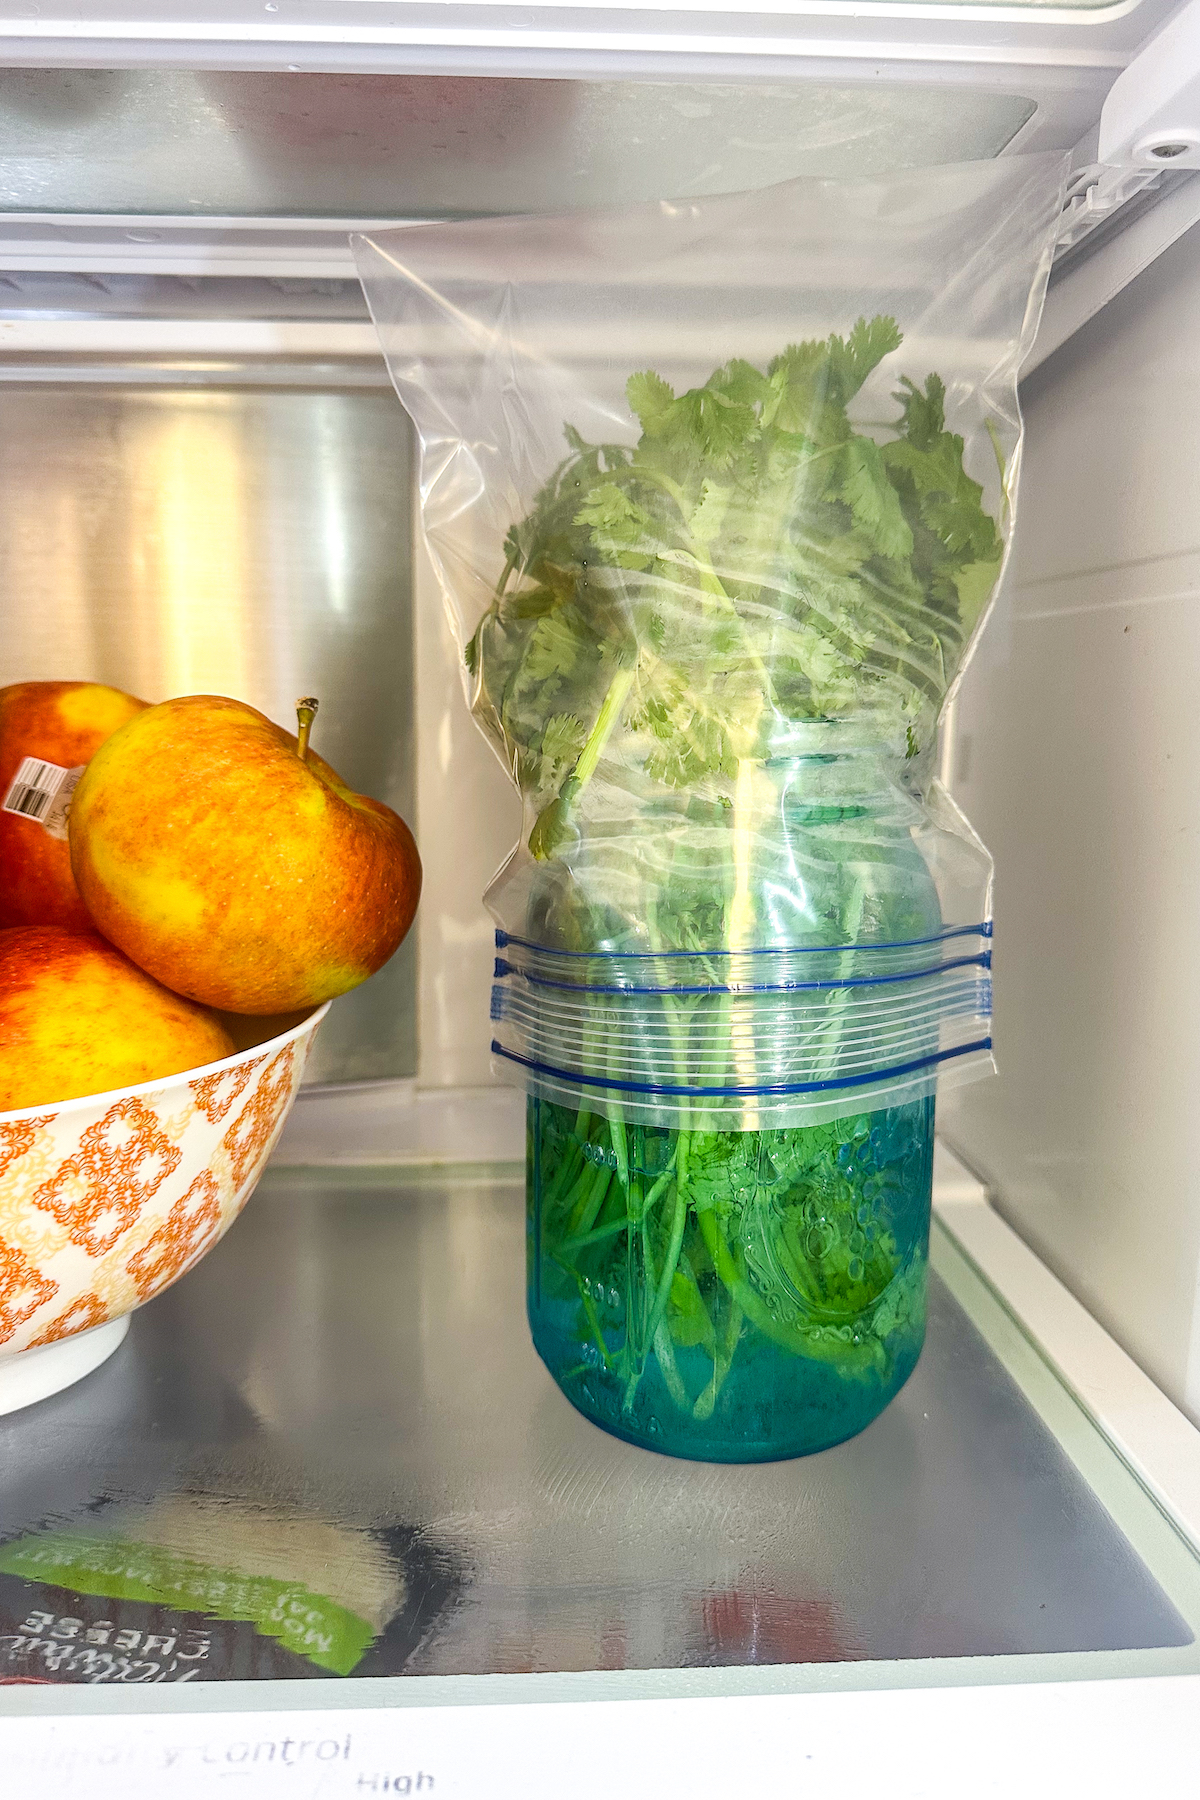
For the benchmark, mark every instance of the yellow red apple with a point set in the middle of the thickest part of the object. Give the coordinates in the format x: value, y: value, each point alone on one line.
x: 235, y: 866
x: 76, y: 1017
x: 62, y: 723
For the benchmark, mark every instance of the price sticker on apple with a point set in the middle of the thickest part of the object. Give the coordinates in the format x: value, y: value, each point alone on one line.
x: 42, y: 791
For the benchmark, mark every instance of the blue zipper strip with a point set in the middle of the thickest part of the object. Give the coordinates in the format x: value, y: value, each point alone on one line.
x: 505, y: 938
x: 780, y: 1090
x: 982, y: 961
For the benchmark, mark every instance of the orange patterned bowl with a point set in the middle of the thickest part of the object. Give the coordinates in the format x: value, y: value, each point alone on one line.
x: 107, y: 1200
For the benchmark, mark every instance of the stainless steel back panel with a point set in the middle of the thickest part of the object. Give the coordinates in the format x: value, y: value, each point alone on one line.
x: 171, y: 539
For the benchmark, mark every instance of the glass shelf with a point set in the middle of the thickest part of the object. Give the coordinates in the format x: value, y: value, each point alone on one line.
x: 330, y: 1454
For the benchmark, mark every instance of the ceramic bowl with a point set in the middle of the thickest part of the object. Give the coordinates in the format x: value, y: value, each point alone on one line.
x: 107, y: 1200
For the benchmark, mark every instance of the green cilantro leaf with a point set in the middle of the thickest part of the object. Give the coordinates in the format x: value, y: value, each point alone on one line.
x: 754, y: 556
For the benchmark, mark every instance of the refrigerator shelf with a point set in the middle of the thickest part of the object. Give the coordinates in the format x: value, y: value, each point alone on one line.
x: 325, y: 1502
x: 330, y: 1455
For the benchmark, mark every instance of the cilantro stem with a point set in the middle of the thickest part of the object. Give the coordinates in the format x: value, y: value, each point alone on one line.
x: 571, y: 1245
x: 564, y: 1176
x: 711, y: 584
x: 663, y: 1181
x: 610, y: 712
x: 675, y: 1244
x: 590, y: 1201
x: 657, y: 479
x: 553, y: 821
x: 722, y: 1363
x: 620, y: 1143
x: 650, y: 1288
x: 664, y: 1350
x: 838, y: 1000
x: 510, y: 564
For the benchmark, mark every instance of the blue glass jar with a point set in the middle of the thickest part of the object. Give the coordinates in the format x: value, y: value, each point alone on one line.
x: 730, y: 1023
x: 730, y: 1296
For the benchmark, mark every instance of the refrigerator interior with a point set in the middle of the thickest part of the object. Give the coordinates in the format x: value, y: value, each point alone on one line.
x: 206, y: 484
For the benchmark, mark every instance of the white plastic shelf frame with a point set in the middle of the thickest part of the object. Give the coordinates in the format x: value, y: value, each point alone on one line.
x: 226, y: 135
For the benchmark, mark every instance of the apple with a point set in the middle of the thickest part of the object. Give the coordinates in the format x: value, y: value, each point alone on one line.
x: 62, y: 723
x: 76, y: 1017
x: 233, y: 865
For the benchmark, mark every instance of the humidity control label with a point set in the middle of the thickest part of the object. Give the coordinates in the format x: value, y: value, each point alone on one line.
x: 1035, y: 1739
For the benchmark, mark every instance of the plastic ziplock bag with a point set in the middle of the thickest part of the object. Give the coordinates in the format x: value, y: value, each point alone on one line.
x: 718, y: 494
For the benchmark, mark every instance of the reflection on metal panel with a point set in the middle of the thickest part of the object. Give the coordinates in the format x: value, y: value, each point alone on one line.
x: 51, y: 295
x: 171, y: 141
x: 177, y: 540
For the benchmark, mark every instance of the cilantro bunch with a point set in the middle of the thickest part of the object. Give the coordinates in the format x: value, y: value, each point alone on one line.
x: 755, y: 560
x: 676, y: 626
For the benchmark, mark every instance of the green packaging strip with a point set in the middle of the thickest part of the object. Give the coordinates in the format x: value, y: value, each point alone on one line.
x: 306, y: 1623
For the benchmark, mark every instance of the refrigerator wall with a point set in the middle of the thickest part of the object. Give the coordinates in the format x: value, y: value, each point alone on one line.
x: 1074, y: 754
